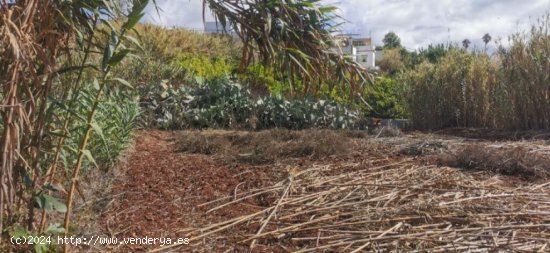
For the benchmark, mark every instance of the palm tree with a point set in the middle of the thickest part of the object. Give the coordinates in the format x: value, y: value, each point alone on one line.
x: 466, y: 43
x: 292, y: 36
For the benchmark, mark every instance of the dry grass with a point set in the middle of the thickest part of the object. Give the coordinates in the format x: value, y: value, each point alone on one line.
x: 267, y: 146
x: 507, y: 160
x: 399, y: 206
x: 375, y: 201
x: 527, y: 159
x: 387, y: 131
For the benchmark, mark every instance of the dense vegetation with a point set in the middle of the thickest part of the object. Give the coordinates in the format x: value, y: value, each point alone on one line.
x: 223, y: 104
x: 74, y: 73
x: 437, y: 87
x: 198, y: 85
x: 506, y: 90
x: 455, y: 86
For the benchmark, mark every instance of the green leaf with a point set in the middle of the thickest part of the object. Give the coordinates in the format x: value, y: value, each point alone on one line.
x: 53, y: 187
x: 118, y: 57
x: 109, y: 51
x: 96, y: 84
x: 109, y: 24
x: 27, y: 181
x: 123, y: 82
x: 79, y: 37
x: 55, y: 228
x: 89, y: 156
x: 132, y: 21
x: 134, y: 41
x: 97, y: 129
x: 58, y: 133
x: 50, y: 203
x: 19, y: 232
x: 136, y: 14
x: 39, y: 248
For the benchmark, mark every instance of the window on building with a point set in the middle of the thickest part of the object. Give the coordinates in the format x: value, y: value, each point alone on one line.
x: 359, y: 43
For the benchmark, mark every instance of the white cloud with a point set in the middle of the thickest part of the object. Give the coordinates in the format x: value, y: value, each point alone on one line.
x: 423, y: 22
x: 187, y: 13
x: 417, y: 22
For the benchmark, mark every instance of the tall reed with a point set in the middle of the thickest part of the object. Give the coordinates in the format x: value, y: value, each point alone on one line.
x: 508, y: 90
x: 525, y: 78
x: 55, y: 58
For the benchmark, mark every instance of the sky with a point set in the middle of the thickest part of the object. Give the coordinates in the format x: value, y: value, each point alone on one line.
x: 417, y: 22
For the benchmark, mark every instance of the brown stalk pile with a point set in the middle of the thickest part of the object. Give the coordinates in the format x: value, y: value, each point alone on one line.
x: 530, y: 162
x: 395, y: 207
x: 265, y: 146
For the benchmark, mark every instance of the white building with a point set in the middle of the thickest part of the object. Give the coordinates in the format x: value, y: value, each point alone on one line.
x: 361, y: 50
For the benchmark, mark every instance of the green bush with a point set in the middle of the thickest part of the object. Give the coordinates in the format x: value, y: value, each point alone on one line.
x: 391, y: 62
x: 115, y: 119
x: 204, y: 67
x: 179, y: 56
x: 149, y: 70
x: 264, y: 81
x: 214, y: 103
x: 224, y: 104
x: 301, y: 114
x: 432, y: 54
x: 384, y: 97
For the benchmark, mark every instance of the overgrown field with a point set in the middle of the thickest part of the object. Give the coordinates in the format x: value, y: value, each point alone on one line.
x: 261, y: 154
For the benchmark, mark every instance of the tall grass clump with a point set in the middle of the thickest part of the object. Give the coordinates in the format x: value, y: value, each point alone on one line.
x: 525, y: 79
x: 456, y: 91
x: 508, y: 90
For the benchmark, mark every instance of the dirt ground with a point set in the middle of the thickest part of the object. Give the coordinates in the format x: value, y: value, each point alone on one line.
x: 230, y: 191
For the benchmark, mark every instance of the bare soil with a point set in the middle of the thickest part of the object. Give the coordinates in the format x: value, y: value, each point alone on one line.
x: 171, y: 180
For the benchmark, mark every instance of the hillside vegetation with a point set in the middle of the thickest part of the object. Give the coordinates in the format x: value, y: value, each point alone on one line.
x: 438, y: 87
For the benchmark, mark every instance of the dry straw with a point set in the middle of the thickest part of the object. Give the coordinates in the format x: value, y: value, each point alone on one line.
x: 397, y: 207
x: 30, y: 36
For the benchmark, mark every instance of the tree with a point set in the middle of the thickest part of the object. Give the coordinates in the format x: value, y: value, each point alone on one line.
x: 486, y: 38
x: 432, y: 54
x: 466, y: 43
x: 391, y: 62
x: 391, y: 40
